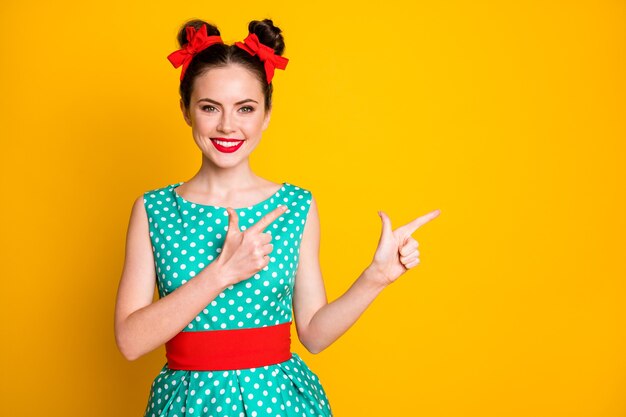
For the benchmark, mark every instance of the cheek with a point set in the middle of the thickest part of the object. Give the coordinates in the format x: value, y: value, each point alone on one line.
x: 205, y: 123
x: 253, y: 124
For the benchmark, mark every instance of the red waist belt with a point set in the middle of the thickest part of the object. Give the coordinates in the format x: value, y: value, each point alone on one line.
x: 216, y: 350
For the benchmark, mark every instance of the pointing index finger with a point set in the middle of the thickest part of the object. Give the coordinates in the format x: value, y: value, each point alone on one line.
x: 420, y: 221
x: 268, y: 219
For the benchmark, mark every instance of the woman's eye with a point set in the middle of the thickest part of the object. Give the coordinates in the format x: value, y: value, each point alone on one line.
x: 208, y: 108
x: 247, y: 109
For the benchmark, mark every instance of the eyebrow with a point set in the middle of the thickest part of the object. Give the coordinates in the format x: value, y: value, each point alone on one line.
x: 218, y: 103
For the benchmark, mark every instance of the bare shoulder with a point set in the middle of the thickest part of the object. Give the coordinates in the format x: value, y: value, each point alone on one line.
x: 136, y: 286
x: 311, y: 233
x: 138, y: 223
x: 313, y: 211
x: 138, y: 243
x: 138, y: 209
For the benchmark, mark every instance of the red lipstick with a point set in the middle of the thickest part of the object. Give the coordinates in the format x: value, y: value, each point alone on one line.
x: 227, y: 149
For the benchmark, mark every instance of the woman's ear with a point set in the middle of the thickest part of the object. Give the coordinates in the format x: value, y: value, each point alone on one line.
x: 185, y: 113
x: 266, y: 121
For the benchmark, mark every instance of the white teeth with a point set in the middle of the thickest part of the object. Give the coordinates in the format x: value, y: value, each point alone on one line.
x: 227, y: 144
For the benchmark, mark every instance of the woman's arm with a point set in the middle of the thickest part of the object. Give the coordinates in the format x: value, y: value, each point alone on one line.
x: 318, y: 322
x: 141, y: 325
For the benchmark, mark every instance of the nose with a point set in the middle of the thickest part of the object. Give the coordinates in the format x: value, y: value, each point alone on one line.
x: 225, y: 124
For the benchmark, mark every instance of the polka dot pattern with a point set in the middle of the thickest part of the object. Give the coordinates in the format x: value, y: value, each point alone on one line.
x: 186, y: 237
x: 287, y: 389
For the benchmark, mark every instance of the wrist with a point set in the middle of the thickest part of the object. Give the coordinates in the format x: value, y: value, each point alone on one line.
x: 376, y: 276
x: 216, y: 275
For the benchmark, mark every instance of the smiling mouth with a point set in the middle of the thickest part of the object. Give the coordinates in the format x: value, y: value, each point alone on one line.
x: 227, y: 145
x: 226, y: 142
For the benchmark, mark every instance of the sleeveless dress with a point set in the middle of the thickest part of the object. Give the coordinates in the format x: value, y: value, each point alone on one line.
x: 186, y: 237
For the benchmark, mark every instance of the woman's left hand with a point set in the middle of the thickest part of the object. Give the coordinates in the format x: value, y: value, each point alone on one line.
x: 397, y: 250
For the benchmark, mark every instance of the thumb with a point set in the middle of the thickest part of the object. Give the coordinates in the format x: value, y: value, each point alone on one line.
x: 386, y: 232
x: 233, y: 220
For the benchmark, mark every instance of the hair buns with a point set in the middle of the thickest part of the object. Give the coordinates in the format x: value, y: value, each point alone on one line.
x: 268, y: 34
x: 211, y: 30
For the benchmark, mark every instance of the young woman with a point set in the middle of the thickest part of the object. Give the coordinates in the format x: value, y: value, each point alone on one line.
x: 235, y: 256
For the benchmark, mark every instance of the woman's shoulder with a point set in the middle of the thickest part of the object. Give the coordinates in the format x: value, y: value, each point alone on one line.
x: 158, y: 196
x: 299, y: 196
x: 298, y: 189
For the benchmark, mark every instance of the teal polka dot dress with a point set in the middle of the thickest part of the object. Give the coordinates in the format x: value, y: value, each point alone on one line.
x: 186, y: 237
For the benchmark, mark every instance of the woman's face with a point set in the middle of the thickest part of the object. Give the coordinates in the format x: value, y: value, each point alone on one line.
x: 227, y: 103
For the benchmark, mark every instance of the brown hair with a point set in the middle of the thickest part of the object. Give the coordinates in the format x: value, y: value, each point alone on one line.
x: 221, y: 55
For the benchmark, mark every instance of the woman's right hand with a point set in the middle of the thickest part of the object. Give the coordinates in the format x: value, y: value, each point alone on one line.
x: 245, y: 253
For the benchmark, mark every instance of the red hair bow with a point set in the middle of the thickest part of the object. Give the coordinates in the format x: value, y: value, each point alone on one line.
x: 266, y: 54
x: 196, y: 42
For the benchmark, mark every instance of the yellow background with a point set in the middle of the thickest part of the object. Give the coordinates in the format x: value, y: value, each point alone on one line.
x: 507, y: 116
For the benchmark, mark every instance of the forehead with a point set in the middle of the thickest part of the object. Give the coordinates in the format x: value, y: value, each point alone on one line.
x: 227, y: 84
